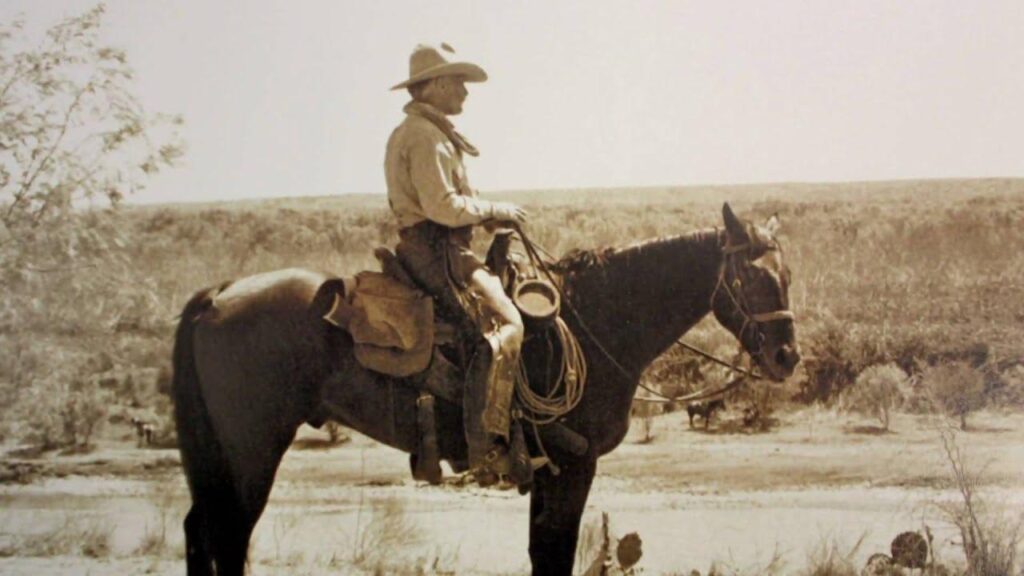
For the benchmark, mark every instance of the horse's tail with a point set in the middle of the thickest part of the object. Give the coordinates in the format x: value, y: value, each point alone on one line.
x: 202, y: 455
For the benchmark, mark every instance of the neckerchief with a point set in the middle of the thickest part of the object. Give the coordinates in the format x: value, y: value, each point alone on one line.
x: 441, y: 121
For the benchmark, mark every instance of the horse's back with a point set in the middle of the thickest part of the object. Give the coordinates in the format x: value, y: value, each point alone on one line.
x: 289, y: 291
x: 263, y: 324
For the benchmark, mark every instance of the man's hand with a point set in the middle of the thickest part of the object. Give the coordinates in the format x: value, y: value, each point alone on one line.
x: 508, y: 211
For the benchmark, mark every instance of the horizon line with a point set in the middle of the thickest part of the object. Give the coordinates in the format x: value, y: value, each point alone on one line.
x: 128, y: 201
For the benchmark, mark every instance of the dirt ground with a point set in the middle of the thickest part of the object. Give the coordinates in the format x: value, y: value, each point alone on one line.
x: 696, y: 498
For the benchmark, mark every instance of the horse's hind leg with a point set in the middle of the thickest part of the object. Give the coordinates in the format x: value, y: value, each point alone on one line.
x: 218, y: 530
x: 197, y: 552
x: 233, y: 546
x: 257, y: 482
x: 216, y: 540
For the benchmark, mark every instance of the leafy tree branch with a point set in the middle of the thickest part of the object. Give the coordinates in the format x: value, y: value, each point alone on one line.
x: 71, y: 129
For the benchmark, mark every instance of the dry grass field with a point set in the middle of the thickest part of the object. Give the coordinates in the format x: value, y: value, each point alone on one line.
x: 926, y: 277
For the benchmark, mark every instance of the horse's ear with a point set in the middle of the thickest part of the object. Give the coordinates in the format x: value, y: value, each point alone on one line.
x: 773, y: 225
x: 735, y: 228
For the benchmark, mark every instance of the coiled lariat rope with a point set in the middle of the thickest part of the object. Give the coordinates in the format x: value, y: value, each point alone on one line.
x: 564, y: 392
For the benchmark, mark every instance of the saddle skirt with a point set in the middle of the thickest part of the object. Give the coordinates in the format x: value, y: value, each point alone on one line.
x: 391, y: 323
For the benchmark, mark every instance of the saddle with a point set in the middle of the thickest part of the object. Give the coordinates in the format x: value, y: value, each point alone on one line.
x: 396, y: 332
x: 392, y: 321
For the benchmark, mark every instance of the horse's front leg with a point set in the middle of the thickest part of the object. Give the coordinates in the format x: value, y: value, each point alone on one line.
x: 556, y: 506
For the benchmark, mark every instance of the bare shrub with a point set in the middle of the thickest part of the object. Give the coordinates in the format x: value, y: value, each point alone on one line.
x: 164, y: 498
x: 759, y: 416
x: 838, y: 355
x: 56, y: 413
x: 775, y: 566
x: 60, y: 410
x: 389, y: 531
x: 878, y: 391
x: 166, y: 434
x: 73, y: 537
x: 644, y: 412
x: 154, y: 539
x: 284, y: 524
x: 955, y: 389
x: 831, y: 558
x: 1009, y: 391
x: 590, y: 544
x: 94, y: 539
x: 990, y: 540
x: 840, y: 351
x: 83, y: 411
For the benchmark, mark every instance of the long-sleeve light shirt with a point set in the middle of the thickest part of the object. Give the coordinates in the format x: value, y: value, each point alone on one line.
x: 427, y: 179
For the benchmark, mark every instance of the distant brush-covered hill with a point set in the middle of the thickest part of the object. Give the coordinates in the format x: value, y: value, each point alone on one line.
x: 740, y: 194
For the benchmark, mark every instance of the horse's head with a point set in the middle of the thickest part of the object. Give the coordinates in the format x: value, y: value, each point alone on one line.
x: 751, y: 298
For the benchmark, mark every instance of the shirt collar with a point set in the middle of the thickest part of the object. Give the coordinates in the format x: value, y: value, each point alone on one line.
x: 437, y: 118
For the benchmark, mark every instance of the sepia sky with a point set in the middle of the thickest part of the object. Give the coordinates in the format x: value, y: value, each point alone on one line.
x: 286, y: 98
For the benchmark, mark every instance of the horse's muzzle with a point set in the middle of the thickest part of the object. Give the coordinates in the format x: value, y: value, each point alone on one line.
x: 780, y: 365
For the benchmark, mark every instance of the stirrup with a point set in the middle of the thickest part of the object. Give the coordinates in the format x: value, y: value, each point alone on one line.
x: 496, y: 461
x: 495, y: 466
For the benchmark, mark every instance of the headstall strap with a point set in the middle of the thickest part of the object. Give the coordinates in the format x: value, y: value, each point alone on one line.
x: 771, y: 316
x: 727, y: 250
x: 757, y: 318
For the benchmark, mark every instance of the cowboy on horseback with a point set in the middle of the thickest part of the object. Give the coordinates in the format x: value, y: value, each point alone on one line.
x: 437, y: 211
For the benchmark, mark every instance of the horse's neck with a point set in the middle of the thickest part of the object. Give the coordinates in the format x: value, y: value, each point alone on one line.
x: 641, y: 299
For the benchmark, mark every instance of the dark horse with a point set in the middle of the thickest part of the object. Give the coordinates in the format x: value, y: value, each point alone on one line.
x: 705, y: 409
x: 253, y: 361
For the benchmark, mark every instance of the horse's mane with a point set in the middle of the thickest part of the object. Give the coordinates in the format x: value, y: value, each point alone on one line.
x: 578, y: 260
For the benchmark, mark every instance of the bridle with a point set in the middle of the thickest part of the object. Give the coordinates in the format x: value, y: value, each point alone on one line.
x: 751, y: 320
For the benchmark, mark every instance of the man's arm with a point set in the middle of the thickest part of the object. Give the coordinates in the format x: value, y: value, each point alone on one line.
x: 430, y: 166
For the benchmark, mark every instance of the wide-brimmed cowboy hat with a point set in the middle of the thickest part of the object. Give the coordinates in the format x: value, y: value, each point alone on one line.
x: 428, y: 62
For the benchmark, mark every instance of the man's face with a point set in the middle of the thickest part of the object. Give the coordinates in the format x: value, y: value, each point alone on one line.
x: 448, y: 94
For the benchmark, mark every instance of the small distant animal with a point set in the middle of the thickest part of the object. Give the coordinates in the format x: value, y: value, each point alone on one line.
x: 144, y: 431
x: 705, y: 409
x: 751, y: 415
